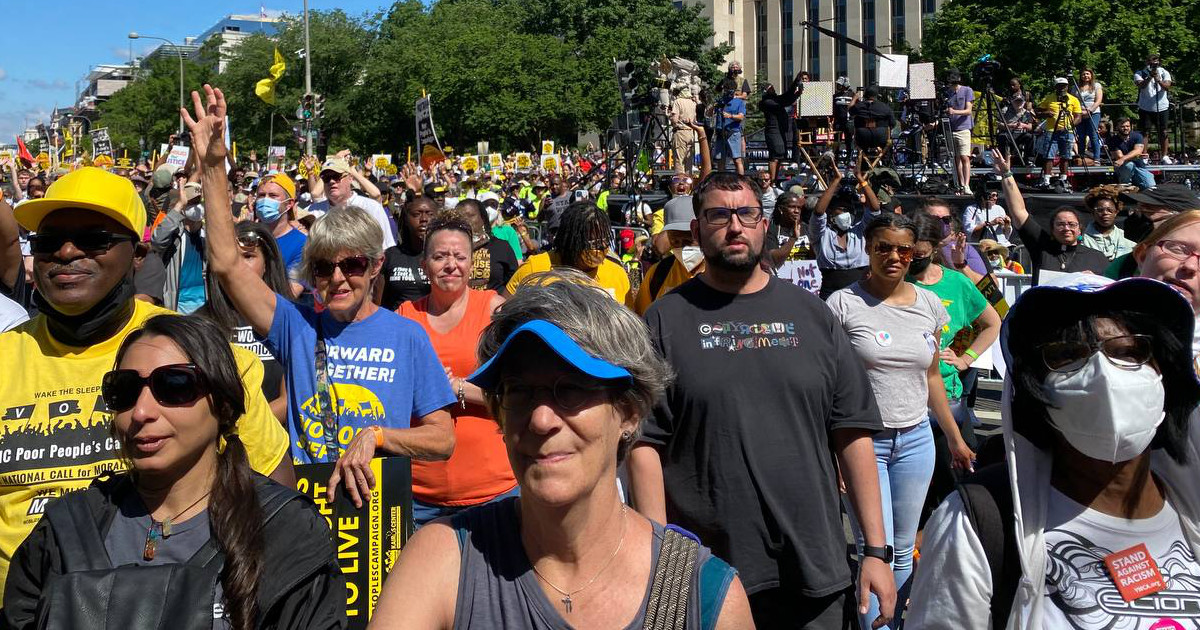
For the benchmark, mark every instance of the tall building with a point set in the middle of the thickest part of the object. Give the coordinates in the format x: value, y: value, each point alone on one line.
x: 233, y: 29
x: 102, y: 82
x: 767, y: 37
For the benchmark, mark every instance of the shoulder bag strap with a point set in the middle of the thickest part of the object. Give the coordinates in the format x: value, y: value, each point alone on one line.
x: 324, y: 400
x: 660, y: 275
x: 77, y: 534
x: 669, y: 594
x: 987, y: 499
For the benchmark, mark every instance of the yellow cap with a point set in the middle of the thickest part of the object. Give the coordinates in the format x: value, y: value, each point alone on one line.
x: 89, y: 188
x: 285, y: 183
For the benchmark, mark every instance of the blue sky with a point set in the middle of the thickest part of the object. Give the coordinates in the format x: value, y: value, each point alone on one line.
x: 49, y: 47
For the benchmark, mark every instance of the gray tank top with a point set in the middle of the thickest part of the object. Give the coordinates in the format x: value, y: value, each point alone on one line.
x: 497, y: 588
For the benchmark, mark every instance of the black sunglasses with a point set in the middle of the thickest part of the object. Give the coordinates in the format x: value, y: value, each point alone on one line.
x: 83, y: 240
x: 171, y: 385
x: 1124, y: 351
x: 352, y: 266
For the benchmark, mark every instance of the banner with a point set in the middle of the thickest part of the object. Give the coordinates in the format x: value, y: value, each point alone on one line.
x: 524, y: 161
x: 178, y: 156
x: 368, y: 539
x: 101, y: 144
x: 430, y: 149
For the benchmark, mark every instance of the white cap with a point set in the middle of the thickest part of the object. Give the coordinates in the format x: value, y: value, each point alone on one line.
x: 1061, y: 81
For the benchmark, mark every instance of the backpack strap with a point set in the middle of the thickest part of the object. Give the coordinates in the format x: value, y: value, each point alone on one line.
x: 271, y: 496
x: 659, y: 277
x: 77, y: 534
x: 669, y: 594
x: 987, y: 499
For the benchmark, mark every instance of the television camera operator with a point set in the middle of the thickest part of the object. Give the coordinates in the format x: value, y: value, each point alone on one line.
x: 1153, y: 83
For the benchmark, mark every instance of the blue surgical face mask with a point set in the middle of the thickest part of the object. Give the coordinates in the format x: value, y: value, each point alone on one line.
x: 267, y: 209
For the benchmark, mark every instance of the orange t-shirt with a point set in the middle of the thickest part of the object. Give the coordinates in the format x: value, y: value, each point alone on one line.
x: 478, y: 471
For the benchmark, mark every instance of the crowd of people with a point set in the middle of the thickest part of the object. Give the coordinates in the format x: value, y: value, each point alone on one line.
x: 619, y: 413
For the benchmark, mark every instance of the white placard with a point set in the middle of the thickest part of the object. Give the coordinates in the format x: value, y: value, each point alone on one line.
x: 920, y: 82
x: 893, y: 71
x: 802, y: 273
x: 817, y: 99
x: 178, y: 156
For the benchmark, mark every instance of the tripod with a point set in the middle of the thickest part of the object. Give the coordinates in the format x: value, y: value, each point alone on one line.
x: 1049, y: 136
x: 993, y: 105
x: 947, y: 133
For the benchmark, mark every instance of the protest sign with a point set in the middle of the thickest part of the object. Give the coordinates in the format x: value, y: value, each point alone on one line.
x: 101, y: 143
x: 178, y: 156
x: 368, y: 539
x: 550, y: 162
x: 380, y: 163
x: 43, y: 161
x: 469, y: 163
x: 524, y: 161
x: 5, y: 158
x: 430, y: 149
x: 495, y: 162
x: 802, y: 273
x: 547, y: 146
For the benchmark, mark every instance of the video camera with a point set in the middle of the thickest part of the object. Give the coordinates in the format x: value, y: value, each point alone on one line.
x: 985, y: 69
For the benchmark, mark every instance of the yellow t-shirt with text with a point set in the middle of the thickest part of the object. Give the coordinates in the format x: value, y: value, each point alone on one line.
x: 54, y: 427
x: 1052, y: 105
x: 609, y: 275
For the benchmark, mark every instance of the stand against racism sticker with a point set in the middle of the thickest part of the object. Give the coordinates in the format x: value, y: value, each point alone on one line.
x: 1134, y: 572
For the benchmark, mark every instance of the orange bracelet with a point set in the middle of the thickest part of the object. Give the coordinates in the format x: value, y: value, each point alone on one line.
x: 378, y: 435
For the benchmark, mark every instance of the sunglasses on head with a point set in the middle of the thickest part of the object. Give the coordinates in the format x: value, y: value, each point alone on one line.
x: 171, y: 385
x: 249, y: 241
x: 351, y: 267
x: 83, y: 240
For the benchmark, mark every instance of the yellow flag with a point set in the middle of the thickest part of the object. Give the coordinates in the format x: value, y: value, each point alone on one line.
x: 265, y: 89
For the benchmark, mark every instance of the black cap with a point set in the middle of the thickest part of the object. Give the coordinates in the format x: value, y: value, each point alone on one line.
x: 1172, y: 196
x: 433, y: 190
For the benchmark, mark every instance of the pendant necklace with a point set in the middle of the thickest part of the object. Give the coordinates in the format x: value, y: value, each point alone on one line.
x: 566, y: 599
x: 164, y: 529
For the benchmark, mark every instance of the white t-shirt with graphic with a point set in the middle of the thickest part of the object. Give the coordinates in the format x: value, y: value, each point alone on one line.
x: 1079, y: 593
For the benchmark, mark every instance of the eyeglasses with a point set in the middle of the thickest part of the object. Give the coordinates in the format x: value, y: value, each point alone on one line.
x: 566, y: 394
x: 946, y: 219
x: 1125, y: 351
x: 1178, y: 249
x: 905, y: 252
x: 351, y: 267
x: 598, y: 243
x: 1072, y: 225
x: 84, y: 240
x: 749, y: 216
x: 332, y: 177
x: 171, y: 385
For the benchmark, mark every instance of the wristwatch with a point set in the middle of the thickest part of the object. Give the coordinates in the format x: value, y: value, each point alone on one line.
x: 885, y: 553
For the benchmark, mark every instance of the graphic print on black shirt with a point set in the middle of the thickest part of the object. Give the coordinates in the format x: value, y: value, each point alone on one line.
x: 403, y: 278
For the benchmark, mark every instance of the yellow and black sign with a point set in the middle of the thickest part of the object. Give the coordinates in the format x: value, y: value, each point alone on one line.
x: 369, y: 538
x: 524, y: 161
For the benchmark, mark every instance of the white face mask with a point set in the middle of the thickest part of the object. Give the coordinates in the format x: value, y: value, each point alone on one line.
x: 691, y: 256
x: 843, y: 221
x: 194, y: 213
x: 1107, y: 412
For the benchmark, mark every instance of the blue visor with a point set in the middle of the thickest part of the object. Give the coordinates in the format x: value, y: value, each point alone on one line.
x: 488, y: 374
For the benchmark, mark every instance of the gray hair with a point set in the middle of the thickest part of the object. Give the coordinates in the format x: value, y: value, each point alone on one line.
x: 601, y: 326
x: 341, y: 229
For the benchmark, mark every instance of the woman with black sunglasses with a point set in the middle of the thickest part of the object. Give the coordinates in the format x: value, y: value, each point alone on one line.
x: 191, y: 536
x: 1093, y: 520
x: 362, y: 381
x: 894, y: 327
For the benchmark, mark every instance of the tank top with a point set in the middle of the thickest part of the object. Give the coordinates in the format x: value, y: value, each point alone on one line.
x: 497, y: 588
x: 478, y: 471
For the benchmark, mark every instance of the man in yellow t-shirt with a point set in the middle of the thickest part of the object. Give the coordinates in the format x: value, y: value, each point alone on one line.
x: 582, y: 241
x: 54, y: 427
x: 1061, y: 111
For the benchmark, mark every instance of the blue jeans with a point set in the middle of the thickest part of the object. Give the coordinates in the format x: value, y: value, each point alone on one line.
x: 1135, y: 172
x: 424, y: 512
x: 1089, y: 128
x: 905, y: 461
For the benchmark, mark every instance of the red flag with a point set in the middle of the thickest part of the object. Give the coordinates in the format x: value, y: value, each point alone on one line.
x: 23, y: 152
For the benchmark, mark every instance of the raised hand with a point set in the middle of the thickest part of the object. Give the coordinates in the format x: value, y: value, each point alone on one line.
x: 208, y: 127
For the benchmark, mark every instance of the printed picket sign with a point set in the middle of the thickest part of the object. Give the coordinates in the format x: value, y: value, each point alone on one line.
x: 368, y: 539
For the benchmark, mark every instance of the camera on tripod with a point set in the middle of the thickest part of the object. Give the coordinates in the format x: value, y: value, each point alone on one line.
x: 985, y: 71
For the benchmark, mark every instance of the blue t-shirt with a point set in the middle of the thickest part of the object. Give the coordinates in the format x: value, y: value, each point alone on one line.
x: 382, y: 370
x: 191, y: 274
x: 958, y: 100
x: 291, y: 247
x: 734, y: 107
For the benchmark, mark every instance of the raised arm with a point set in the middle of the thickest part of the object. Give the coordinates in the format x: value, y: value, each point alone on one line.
x: 11, y: 262
x: 1014, y: 203
x: 245, y: 288
x: 830, y: 191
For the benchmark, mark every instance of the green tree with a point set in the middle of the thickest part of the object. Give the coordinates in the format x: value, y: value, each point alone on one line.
x: 1041, y: 40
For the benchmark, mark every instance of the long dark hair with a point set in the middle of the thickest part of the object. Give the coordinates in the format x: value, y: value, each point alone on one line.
x: 234, y: 513
x: 930, y: 229
x: 219, y: 308
x: 581, y: 221
x: 472, y: 205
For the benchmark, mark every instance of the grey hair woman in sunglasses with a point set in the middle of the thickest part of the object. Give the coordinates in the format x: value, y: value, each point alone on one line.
x: 361, y: 381
x: 190, y: 518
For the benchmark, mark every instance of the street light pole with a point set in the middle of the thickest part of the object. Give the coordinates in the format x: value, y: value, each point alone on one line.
x: 136, y: 35
x: 308, y: 128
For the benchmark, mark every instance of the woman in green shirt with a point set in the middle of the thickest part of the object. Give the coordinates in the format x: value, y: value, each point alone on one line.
x: 970, y: 315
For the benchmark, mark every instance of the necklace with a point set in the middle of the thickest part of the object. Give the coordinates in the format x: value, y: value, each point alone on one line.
x: 164, y: 529
x: 566, y: 600
x: 1064, y: 260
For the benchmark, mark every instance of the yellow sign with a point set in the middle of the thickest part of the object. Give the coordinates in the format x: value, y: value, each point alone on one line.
x: 124, y: 163
x: 5, y: 157
x: 547, y: 146
x: 495, y: 161
x: 550, y: 162
x: 469, y: 163
x: 103, y: 161
x: 524, y: 161
x: 43, y: 160
x: 390, y: 169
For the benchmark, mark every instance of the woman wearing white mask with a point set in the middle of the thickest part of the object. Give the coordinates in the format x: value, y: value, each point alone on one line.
x: 837, y: 238
x: 1092, y: 522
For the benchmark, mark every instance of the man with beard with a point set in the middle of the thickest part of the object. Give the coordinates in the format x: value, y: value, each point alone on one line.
x: 769, y: 399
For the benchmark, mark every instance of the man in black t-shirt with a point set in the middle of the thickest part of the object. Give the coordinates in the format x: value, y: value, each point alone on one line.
x: 873, y: 120
x: 741, y: 450
x: 1128, y: 150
